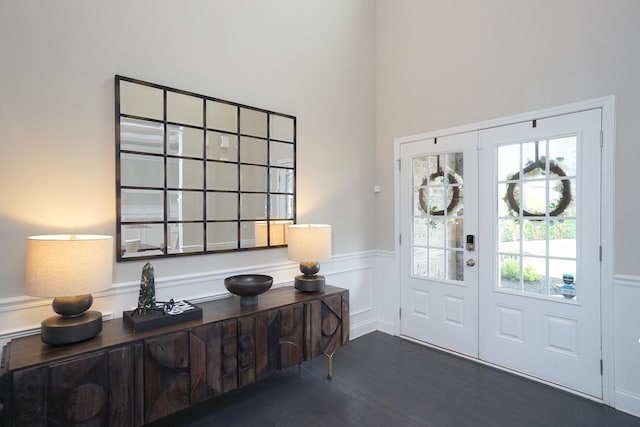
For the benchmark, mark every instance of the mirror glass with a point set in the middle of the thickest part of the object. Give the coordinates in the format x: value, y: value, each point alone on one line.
x: 185, y: 141
x: 141, y: 135
x: 196, y: 174
x: 222, y: 236
x: 184, y: 109
x: 253, y: 150
x: 282, y: 128
x: 222, y: 116
x: 222, y: 146
x: 253, y: 122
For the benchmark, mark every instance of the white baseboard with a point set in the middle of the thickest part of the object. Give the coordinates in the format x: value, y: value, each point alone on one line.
x: 628, y: 402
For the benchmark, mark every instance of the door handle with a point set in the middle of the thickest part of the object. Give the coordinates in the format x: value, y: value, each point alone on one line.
x: 471, y: 262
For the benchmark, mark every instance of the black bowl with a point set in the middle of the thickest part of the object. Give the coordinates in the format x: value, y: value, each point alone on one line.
x: 248, y: 286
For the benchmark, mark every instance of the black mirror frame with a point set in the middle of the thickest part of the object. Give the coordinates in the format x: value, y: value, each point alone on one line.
x: 165, y: 222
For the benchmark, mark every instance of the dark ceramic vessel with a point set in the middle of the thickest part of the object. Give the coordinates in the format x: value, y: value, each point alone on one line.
x: 248, y: 286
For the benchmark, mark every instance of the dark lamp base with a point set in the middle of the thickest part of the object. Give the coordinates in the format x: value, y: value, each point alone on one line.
x: 68, y: 330
x: 309, y: 283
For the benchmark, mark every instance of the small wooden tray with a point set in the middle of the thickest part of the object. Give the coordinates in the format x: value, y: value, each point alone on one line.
x: 156, y: 319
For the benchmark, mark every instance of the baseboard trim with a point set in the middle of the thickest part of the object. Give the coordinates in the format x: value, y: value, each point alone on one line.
x: 628, y: 402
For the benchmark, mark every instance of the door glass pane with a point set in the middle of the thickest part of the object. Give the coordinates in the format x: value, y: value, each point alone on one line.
x: 438, y: 231
x: 420, y: 261
x: 455, y: 267
x: 563, y: 235
x: 536, y: 205
x: 455, y: 230
x: 509, y: 236
x: 436, y: 264
x: 535, y: 237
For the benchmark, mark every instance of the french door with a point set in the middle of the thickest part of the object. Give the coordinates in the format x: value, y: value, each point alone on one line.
x: 500, y: 258
x: 439, y: 292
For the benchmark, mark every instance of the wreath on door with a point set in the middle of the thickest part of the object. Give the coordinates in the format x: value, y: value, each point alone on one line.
x: 540, y: 166
x: 455, y: 193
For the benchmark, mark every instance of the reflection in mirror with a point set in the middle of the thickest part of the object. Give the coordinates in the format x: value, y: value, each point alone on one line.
x: 222, y: 116
x: 253, y: 150
x: 222, y: 236
x: 141, y: 171
x: 198, y: 174
x: 276, y: 234
x: 184, y: 173
x: 141, y: 205
x: 281, y: 180
x: 185, y: 141
x: 281, y: 206
x: 248, y: 235
x: 282, y: 128
x: 140, y: 100
x: 253, y: 206
x: 141, y: 135
x: 281, y: 154
x: 222, y: 176
x: 253, y: 178
x: 253, y: 122
x: 222, y: 206
x: 184, y: 206
x: 185, y: 238
x: 184, y: 109
x: 142, y: 240
x: 222, y: 146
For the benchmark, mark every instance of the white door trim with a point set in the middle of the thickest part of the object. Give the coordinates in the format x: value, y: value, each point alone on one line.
x: 607, y: 210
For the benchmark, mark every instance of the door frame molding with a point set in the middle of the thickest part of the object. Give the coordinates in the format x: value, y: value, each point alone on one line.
x: 607, y: 104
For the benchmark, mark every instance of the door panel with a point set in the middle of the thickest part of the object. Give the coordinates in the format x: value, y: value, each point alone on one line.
x: 539, y: 207
x: 439, y: 290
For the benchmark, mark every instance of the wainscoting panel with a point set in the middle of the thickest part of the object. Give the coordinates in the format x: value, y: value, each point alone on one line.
x: 626, y: 319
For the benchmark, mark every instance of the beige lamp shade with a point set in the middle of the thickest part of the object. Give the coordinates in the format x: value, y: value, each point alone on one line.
x: 68, y: 265
x: 309, y: 242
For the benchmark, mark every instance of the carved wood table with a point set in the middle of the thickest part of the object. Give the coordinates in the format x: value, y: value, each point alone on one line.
x: 126, y: 378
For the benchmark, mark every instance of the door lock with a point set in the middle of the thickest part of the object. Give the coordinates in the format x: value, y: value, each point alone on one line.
x: 471, y: 245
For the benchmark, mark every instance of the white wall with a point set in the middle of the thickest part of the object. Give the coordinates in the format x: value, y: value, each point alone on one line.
x: 311, y: 59
x: 442, y: 64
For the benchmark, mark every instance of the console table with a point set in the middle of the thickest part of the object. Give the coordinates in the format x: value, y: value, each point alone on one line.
x: 126, y: 378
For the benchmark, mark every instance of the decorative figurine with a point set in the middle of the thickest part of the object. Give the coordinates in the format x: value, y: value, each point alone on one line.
x: 147, y: 296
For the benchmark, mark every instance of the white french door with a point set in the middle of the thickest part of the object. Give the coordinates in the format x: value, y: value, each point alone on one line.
x: 439, y: 295
x: 525, y: 294
x: 540, y: 207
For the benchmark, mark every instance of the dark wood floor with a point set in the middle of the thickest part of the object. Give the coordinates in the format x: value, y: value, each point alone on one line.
x: 381, y: 380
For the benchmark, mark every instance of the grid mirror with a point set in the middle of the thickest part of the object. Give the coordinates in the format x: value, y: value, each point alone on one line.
x: 196, y: 174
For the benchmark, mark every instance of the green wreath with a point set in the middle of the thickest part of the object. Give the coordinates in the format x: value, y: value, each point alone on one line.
x: 455, y: 198
x: 565, y: 200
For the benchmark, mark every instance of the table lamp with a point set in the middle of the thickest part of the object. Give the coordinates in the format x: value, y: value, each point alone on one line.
x: 309, y: 244
x: 69, y: 268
